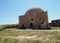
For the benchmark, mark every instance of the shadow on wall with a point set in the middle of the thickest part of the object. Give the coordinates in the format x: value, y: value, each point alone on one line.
x: 33, y: 28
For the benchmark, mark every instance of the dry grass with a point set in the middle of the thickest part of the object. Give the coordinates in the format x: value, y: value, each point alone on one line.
x: 29, y: 36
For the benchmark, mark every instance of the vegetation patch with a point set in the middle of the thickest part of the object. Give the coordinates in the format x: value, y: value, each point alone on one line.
x: 29, y: 36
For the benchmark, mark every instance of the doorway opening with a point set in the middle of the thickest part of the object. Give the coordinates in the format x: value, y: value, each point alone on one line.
x: 23, y: 26
x: 31, y: 24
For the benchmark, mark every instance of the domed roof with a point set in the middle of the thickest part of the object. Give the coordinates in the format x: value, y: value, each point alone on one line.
x: 38, y: 9
x: 34, y: 10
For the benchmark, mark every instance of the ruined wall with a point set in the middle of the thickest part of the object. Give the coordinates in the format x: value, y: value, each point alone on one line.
x: 35, y: 17
x: 55, y: 22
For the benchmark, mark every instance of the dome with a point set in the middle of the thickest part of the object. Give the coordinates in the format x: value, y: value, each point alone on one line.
x: 36, y: 10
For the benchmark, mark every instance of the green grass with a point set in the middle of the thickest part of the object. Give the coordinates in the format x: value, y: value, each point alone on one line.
x: 55, y: 28
x: 8, y: 26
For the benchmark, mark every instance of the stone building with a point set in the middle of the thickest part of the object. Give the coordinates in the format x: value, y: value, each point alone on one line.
x: 55, y: 22
x: 34, y: 18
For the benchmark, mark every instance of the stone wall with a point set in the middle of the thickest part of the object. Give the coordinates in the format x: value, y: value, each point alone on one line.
x: 34, y: 17
x: 55, y: 22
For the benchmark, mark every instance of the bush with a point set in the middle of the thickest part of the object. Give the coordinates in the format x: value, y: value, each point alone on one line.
x: 8, y: 26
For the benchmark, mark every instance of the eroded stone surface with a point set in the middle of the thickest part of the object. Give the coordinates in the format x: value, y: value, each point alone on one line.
x: 34, y: 18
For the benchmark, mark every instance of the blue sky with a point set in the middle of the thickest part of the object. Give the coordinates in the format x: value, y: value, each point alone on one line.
x: 11, y: 9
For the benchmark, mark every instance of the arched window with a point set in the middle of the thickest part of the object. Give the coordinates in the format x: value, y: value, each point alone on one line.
x: 31, y: 19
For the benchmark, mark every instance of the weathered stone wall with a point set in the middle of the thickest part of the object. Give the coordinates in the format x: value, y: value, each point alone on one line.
x: 35, y: 17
